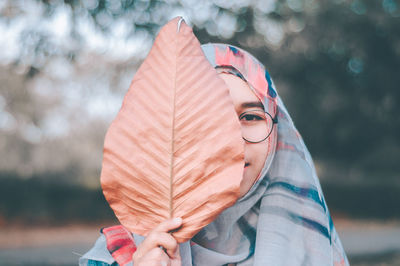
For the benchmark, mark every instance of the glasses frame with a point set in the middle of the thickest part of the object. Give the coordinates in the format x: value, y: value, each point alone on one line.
x: 274, y: 121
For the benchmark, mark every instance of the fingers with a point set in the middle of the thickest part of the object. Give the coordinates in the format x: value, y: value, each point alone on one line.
x: 177, y: 260
x: 169, y: 225
x: 156, y: 256
x: 164, y: 240
x: 159, y: 237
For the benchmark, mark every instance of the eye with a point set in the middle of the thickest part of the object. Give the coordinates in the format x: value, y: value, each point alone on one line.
x: 252, y: 116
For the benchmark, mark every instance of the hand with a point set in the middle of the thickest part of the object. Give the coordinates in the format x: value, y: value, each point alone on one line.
x: 159, y: 247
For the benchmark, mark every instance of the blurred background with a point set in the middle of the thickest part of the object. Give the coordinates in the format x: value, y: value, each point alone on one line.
x: 66, y: 65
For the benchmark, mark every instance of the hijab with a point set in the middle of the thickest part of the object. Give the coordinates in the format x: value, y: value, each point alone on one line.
x: 283, y: 219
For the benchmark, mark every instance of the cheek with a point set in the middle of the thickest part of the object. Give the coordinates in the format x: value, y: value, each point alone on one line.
x: 255, y: 154
x: 258, y: 154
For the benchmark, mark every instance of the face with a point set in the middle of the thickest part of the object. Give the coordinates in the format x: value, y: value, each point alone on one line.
x: 255, y: 154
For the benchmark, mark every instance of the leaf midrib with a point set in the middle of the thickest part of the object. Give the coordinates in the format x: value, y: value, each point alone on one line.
x: 173, y: 133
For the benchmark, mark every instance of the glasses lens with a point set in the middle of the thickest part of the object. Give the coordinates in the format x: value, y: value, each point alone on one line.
x: 256, y: 125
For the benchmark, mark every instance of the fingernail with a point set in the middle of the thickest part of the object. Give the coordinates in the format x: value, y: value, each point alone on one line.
x: 177, y: 220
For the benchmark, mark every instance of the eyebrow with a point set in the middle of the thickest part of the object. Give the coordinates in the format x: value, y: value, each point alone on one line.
x: 252, y: 104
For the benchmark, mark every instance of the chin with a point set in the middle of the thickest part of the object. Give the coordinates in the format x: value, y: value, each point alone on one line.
x: 247, y: 182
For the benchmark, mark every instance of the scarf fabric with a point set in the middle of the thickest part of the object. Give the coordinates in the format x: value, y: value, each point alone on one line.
x: 120, y: 243
x: 283, y: 219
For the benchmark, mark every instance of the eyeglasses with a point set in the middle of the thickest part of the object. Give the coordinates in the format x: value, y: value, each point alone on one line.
x: 256, y: 125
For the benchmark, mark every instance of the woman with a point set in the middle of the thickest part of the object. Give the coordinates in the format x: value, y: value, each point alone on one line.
x: 281, y: 217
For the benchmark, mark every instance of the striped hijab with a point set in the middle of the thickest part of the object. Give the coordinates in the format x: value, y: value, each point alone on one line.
x: 283, y: 219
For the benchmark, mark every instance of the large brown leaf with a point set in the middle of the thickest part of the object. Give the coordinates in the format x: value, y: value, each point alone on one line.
x: 175, y: 148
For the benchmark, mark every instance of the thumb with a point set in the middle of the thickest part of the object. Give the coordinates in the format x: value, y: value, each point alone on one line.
x: 169, y: 225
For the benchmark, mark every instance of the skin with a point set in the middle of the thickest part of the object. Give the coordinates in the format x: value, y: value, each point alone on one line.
x: 254, y: 153
x: 149, y: 252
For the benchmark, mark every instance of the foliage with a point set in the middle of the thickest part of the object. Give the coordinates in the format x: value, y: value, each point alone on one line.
x: 335, y: 63
x: 37, y: 201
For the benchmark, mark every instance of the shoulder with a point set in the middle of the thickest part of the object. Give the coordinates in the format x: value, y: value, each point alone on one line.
x: 98, y: 253
x: 115, y: 246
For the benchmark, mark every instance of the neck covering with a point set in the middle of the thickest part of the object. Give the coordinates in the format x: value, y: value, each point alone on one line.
x: 283, y: 219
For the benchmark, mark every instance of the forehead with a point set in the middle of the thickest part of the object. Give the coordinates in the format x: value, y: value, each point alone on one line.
x: 242, y: 95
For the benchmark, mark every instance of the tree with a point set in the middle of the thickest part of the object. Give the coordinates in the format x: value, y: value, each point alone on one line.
x: 334, y: 63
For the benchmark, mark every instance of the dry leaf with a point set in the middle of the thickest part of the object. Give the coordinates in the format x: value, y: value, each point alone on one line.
x: 175, y: 148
